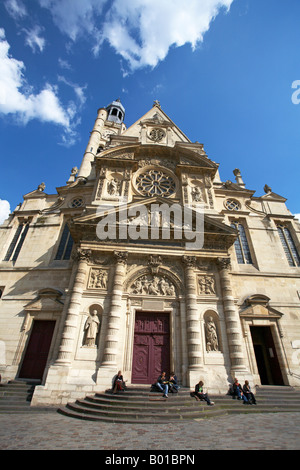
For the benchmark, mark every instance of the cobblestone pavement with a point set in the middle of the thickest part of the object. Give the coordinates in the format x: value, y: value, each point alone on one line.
x: 52, y: 431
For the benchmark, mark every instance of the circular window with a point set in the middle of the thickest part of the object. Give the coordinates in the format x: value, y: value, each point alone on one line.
x: 155, y: 183
x: 232, y: 205
x: 77, y: 202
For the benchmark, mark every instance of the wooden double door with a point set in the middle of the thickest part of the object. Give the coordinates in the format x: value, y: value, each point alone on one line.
x: 151, y: 350
x: 37, y: 350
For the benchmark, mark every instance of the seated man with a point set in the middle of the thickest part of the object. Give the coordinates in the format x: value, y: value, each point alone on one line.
x: 162, y: 384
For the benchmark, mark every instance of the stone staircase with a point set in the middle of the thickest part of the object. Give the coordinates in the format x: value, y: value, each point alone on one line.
x: 16, y: 395
x: 140, y: 405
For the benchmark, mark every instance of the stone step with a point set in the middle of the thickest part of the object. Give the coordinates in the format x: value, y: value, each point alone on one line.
x: 143, y: 406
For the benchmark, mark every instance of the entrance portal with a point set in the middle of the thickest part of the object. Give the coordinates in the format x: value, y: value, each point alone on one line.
x: 37, y: 350
x: 151, y: 350
x: 266, y: 356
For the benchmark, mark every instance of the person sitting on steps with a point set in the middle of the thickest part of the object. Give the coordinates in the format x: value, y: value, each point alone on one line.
x: 173, y: 385
x: 248, y: 393
x: 200, y: 395
x: 162, y: 384
x: 119, y: 383
x: 238, y: 392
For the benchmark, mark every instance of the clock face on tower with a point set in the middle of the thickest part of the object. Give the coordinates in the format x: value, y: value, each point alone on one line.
x: 155, y: 183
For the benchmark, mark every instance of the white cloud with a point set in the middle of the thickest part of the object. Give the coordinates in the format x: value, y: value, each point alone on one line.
x: 4, y: 210
x: 15, y: 8
x: 34, y: 39
x: 297, y: 216
x: 141, y: 31
x: 74, y: 17
x: 17, y: 97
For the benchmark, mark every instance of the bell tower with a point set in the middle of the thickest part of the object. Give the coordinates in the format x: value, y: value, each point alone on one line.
x: 109, y: 121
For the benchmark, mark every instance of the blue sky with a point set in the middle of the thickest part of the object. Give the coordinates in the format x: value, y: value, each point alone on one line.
x: 223, y: 71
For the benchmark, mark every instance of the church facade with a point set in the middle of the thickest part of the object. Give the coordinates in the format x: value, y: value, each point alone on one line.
x: 146, y: 261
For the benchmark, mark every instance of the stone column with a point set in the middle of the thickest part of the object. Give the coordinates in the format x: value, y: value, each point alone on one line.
x: 66, y: 349
x: 113, y: 337
x: 192, y: 317
x: 232, y: 320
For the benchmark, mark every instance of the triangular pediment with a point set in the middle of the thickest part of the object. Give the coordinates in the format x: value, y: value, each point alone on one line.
x: 48, y: 300
x: 171, y: 220
x: 156, y: 118
x: 257, y: 306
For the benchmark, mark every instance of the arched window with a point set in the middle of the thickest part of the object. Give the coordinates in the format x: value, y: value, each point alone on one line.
x: 241, y: 245
x: 65, y: 245
x: 288, y: 246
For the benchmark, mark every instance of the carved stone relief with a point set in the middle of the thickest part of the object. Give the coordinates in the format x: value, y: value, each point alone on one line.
x: 206, y: 285
x: 98, y: 279
x: 153, y: 285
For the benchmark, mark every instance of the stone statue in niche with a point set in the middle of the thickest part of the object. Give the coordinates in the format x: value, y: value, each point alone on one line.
x: 206, y: 285
x: 113, y: 187
x: 212, y: 343
x: 91, y: 329
x: 98, y: 279
x: 197, y: 194
x: 153, y: 285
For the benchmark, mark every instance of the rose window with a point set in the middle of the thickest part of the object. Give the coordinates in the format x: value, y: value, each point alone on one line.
x: 155, y: 183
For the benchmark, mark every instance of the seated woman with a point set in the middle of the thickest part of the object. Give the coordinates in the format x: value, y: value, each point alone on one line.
x: 119, y: 383
x: 200, y: 395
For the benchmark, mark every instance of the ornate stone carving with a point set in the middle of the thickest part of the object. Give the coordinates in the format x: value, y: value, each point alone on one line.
x: 114, y: 187
x: 156, y: 134
x: 224, y: 263
x: 206, y: 285
x: 98, y: 279
x: 196, y: 194
x: 153, y: 285
x: 189, y: 261
x: 91, y: 329
x: 154, y: 263
x: 82, y: 255
x: 212, y: 342
x: 121, y: 257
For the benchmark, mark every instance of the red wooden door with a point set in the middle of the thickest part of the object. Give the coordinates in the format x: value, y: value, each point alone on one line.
x: 37, y: 350
x: 151, y: 350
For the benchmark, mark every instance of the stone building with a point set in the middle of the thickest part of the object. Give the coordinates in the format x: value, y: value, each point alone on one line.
x: 145, y: 260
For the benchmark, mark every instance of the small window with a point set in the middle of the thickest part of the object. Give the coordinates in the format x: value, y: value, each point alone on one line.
x: 77, y: 202
x: 114, y: 112
x: 17, y: 242
x: 289, y: 246
x: 241, y: 245
x: 232, y: 205
x: 65, y: 245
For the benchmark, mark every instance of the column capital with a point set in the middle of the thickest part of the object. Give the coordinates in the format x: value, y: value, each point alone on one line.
x: 121, y: 257
x: 224, y: 263
x: 82, y: 255
x: 189, y: 261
